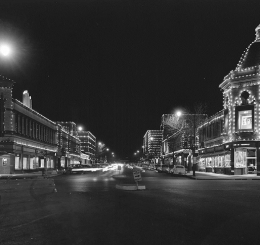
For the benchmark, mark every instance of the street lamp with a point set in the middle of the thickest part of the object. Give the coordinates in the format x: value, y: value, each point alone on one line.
x: 178, y: 113
x: 5, y: 49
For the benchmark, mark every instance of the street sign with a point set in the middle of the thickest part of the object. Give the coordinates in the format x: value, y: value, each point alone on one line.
x: 137, y: 176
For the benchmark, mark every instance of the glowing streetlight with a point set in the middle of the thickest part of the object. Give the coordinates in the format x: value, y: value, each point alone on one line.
x: 178, y: 113
x: 5, y: 49
x: 80, y: 128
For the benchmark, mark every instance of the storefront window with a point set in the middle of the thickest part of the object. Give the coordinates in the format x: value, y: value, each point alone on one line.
x: 42, y: 163
x: 209, y: 162
x: 52, y: 163
x: 36, y: 162
x: 202, y: 163
x: 62, y: 162
x: 25, y: 163
x: 221, y: 161
x: 240, y: 158
x: 17, y: 162
x: 216, y: 162
x: 227, y: 161
x: 48, y: 162
x: 32, y: 162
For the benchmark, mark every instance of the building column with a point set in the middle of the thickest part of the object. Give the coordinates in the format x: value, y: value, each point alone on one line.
x: 258, y: 160
x: 232, y: 159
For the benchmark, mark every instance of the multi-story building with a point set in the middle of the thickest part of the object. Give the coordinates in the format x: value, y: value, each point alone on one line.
x: 152, y: 141
x: 69, y: 151
x: 88, y: 145
x: 230, y: 140
x: 28, y: 140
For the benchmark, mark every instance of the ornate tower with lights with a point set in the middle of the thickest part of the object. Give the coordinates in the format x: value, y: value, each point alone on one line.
x: 241, y: 101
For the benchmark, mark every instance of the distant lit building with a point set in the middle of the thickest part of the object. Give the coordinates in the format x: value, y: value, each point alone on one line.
x: 88, y: 145
x: 69, y: 151
x: 180, y: 136
x: 152, y: 141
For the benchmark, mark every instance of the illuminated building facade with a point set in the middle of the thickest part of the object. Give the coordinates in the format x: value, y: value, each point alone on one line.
x: 88, y: 145
x: 28, y: 140
x: 69, y: 151
x: 230, y: 140
x: 152, y: 141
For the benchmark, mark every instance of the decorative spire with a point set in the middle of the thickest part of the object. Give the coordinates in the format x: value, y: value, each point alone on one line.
x: 257, y: 32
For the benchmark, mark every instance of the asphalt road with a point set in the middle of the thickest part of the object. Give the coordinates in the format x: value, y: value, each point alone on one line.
x: 88, y: 209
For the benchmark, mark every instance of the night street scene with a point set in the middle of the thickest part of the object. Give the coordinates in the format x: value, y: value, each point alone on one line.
x: 129, y: 122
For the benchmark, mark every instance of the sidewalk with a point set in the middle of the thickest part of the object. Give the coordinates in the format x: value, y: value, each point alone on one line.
x: 213, y: 176
x: 34, y: 175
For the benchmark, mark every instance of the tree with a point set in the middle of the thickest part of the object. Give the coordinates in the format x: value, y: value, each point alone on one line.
x: 179, y: 131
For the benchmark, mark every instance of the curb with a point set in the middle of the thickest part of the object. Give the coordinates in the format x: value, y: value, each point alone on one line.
x: 206, y: 178
x: 119, y: 176
x: 130, y: 187
x: 26, y: 176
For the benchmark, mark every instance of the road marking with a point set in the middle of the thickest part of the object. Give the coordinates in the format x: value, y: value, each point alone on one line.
x: 33, y: 221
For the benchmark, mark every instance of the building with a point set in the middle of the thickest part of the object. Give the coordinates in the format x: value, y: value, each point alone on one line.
x: 28, y: 140
x: 68, y: 142
x: 152, y: 141
x: 88, y: 145
x: 229, y: 142
x: 180, y: 138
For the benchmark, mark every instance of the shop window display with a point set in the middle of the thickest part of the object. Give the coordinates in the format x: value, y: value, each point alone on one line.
x: 209, y: 162
x: 240, y: 158
x: 202, y: 163
x: 31, y: 162
x: 25, y: 163
x: 17, y: 163
x: 62, y: 162
x: 221, y: 161
x: 227, y: 161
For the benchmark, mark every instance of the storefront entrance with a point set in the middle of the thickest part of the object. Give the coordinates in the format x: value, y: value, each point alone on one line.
x: 245, y: 161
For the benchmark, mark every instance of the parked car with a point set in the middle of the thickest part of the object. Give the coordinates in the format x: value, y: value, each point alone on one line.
x: 178, y: 169
x: 162, y: 169
x: 251, y: 170
x: 169, y: 169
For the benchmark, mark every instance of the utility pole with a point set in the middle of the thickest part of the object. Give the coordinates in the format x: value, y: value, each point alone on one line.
x: 194, y: 146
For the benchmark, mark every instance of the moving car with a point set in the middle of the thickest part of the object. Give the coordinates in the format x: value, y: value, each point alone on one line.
x: 78, y: 168
x: 178, y: 169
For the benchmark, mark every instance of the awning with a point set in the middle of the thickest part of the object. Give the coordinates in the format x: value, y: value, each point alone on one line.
x: 215, y: 154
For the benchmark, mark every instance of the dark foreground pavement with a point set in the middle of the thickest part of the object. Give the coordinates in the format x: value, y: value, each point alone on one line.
x: 88, y: 209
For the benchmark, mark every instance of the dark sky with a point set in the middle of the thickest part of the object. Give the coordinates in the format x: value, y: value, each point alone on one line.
x: 115, y: 66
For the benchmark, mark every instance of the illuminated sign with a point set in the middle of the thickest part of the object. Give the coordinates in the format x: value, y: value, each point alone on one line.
x: 245, y: 119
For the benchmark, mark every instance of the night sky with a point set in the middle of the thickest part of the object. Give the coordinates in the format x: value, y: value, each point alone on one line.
x: 115, y: 66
